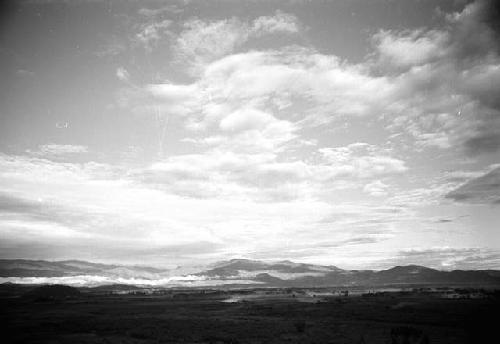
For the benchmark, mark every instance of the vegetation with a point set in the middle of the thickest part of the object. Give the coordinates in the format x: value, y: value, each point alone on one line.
x: 201, y: 317
x: 52, y: 293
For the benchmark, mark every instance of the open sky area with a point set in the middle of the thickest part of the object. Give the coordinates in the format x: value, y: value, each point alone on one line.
x: 361, y: 134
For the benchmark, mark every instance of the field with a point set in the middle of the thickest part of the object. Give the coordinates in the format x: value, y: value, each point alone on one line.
x: 256, y: 317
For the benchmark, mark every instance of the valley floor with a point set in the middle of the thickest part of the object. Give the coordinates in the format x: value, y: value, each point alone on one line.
x: 204, y: 318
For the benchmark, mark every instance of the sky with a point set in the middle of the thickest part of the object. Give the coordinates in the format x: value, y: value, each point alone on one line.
x: 361, y: 134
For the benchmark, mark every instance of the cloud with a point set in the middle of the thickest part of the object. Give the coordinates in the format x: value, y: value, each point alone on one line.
x: 229, y: 170
x: 38, y: 219
x: 446, y: 86
x: 171, y: 92
x: 153, y: 12
x: 252, y: 130
x: 202, y: 42
x: 481, y: 190
x: 487, y: 142
x: 246, y: 119
x: 366, y: 219
x: 279, y: 23
x: 409, y: 48
x: 214, y: 174
x: 113, y: 212
x: 263, y: 144
x: 113, y: 46
x: 361, y: 160
x: 54, y: 203
x: 44, y: 219
x: 162, y: 99
x: 24, y: 73
x: 420, y: 82
x: 444, y: 220
x: 151, y: 34
x: 90, y: 280
x: 314, y: 249
x: 54, y: 150
x: 376, y: 188
x: 447, y: 258
x: 14, y: 204
x: 122, y: 74
x: 295, y: 76
x: 476, y: 28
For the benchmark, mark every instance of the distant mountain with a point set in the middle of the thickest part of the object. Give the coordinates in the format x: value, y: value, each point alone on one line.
x: 42, y: 268
x: 283, y: 269
x: 234, y: 272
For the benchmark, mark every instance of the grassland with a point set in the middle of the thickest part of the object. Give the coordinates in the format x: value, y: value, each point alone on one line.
x: 202, y: 317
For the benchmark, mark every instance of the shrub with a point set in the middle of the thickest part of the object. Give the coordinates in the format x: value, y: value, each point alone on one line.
x: 408, y: 335
x: 300, y: 325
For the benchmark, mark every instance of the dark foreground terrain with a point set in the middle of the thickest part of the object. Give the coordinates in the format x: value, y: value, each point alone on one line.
x: 287, y: 316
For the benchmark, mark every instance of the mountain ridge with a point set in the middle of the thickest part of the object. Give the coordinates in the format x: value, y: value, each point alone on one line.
x: 235, y: 271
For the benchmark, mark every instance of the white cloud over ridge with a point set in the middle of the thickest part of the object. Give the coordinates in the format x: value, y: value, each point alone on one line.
x: 92, y: 281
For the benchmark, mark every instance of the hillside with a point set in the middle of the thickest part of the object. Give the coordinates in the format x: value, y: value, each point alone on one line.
x: 234, y: 272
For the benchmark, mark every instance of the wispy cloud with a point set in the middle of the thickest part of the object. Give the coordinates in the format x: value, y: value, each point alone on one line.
x: 153, y: 12
x: 280, y: 22
x: 484, y: 189
x: 202, y: 42
x: 150, y: 34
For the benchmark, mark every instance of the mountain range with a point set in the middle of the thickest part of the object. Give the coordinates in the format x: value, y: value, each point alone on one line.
x: 233, y: 272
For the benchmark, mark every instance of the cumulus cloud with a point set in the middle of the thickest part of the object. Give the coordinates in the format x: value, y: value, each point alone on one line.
x: 297, y: 76
x: 361, y: 160
x: 412, y: 48
x: 202, y: 42
x: 430, y: 95
x: 421, y: 82
x: 451, y: 75
x: 376, y: 188
x: 246, y: 119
